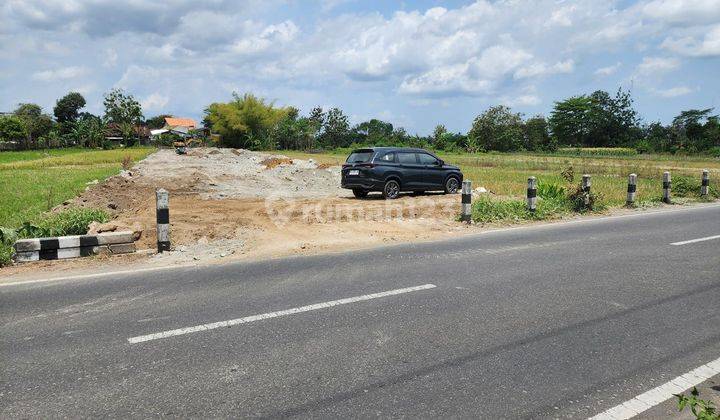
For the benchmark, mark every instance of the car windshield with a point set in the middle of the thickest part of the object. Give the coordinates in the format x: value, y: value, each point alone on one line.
x: 359, y: 157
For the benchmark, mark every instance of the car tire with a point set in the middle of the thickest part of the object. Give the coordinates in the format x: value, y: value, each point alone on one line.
x: 359, y: 193
x: 391, y: 190
x: 452, y: 185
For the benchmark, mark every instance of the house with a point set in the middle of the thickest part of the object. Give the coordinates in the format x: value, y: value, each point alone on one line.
x: 180, y: 124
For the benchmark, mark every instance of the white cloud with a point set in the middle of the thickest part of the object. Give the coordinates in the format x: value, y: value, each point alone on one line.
x: 63, y: 73
x: 155, y: 102
x: 709, y: 46
x: 683, y: 11
x: 656, y: 65
x: 673, y: 92
x: 522, y: 100
x: 542, y: 69
x: 609, y: 70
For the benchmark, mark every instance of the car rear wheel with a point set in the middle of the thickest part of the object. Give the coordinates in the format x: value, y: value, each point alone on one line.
x: 391, y: 190
x: 452, y: 185
x: 360, y: 193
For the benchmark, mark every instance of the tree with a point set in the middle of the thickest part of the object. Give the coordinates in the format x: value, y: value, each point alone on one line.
x: 597, y: 120
x: 36, y: 123
x: 373, y: 132
x: 537, y: 135
x: 439, y: 137
x: 245, y: 122
x: 121, y: 108
x: 336, y: 130
x: 88, y: 131
x: 67, y: 108
x: 294, y: 132
x: 157, y: 121
x: 688, y: 131
x: 498, y: 128
x: 12, y: 128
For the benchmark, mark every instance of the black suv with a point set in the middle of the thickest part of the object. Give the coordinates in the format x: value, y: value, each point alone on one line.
x: 394, y: 169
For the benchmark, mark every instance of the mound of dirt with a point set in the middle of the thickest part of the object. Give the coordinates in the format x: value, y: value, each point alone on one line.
x: 234, y: 203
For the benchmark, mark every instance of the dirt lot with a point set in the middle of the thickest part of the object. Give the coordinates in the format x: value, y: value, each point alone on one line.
x: 228, y: 204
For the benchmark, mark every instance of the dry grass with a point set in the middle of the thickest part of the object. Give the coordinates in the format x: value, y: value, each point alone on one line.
x: 274, y: 161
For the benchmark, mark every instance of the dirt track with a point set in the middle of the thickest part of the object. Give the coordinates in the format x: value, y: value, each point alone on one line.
x: 226, y: 203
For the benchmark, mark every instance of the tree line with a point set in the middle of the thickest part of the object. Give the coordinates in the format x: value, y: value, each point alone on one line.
x: 247, y: 121
x: 30, y: 127
x: 595, y: 120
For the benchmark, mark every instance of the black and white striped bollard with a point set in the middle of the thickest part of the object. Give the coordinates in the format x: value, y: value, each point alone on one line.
x: 632, y: 188
x: 163, y: 220
x: 667, y: 186
x: 705, y: 186
x: 586, y: 183
x: 532, y: 194
x: 466, y: 201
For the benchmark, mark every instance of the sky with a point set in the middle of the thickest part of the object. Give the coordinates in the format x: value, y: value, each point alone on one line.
x: 412, y: 63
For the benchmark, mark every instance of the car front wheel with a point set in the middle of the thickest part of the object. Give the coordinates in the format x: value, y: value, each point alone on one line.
x: 391, y: 190
x: 451, y: 185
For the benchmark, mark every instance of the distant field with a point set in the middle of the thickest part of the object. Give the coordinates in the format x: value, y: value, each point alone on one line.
x: 506, y: 174
x: 35, y: 181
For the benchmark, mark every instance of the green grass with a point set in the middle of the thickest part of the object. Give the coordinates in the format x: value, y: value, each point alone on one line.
x: 506, y: 174
x: 35, y: 181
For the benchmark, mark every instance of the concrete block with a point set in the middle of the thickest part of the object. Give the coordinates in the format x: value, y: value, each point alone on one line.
x: 122, y: 248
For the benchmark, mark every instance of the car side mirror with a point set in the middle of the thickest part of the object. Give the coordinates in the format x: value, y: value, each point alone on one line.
x: 440, y: 162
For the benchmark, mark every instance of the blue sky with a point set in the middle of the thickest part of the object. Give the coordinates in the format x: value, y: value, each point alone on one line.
x: 413, y: 63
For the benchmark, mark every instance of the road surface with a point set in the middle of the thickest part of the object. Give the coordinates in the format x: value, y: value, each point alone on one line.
x: 564, y: 320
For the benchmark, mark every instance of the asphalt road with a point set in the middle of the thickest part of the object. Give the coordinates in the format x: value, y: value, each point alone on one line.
x: 561, y: 320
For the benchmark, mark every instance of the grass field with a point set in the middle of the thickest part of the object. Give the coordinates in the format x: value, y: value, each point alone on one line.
x: 35, y: 181
x: 507, y: 174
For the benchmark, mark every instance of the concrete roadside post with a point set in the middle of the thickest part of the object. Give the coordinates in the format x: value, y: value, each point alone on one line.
x: 586, y: 183
x: 632, y: 188
x: 532, y: 194
x: 466, y: 202
x: 705, y: 185
x: 667, y: 186
x: 163, y: 220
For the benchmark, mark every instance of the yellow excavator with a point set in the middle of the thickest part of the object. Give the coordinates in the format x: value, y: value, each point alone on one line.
x: 181, y: 146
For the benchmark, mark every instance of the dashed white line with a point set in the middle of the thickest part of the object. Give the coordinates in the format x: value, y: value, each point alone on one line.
x: 664, y: 392
x: 692, y: 241
x: 260, y: 317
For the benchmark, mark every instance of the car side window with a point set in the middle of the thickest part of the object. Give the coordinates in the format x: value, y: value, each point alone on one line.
x: 388, y: 157
x: 426, y: 159
x: 407, y: 158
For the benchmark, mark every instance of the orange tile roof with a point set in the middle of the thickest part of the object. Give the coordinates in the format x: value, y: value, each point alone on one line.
x: 180, y: 122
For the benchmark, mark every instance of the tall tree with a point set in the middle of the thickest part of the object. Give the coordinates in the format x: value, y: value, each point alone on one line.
x: 537, y: 135
x: 12, y: 128
x: 68, y: 107
x: 498, y: 128
x: 36, y: 123
x: 121, y: 107
x: 336, y: 129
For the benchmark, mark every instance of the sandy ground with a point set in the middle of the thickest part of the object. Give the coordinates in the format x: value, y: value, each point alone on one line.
x: 230, y: 204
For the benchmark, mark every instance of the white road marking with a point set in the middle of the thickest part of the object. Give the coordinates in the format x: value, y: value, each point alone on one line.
x: 260, y: 317
x: 664, y: 392
x: 692, y: 241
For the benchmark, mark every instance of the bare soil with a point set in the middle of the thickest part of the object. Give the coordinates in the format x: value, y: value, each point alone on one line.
x: 229, y: 204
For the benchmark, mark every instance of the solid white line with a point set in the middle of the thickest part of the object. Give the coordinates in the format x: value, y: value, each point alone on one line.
x: 692, y: 241
x: 260, y: 317
x: 664, y: 392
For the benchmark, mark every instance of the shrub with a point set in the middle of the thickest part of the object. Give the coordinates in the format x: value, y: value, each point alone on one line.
x: 127, y: 162
x: 582, y: 201
x: 549, y: 191
x: 488, y: 210
x: 714, y: 151
x: 685, y: 186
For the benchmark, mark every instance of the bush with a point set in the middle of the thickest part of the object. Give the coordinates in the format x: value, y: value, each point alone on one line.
x: 548, y: 191
x: 488, y: 210
x: 685, y: 186
x: 582, y: 201
x: 714, y: 151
